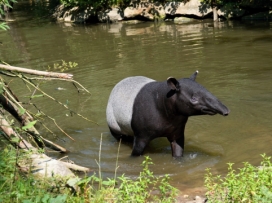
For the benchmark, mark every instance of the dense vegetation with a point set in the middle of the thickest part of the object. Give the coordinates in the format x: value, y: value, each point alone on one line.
x: 249, y: 184
x: 218, y: 3
x: 18, y: 187
x: 95, y: 3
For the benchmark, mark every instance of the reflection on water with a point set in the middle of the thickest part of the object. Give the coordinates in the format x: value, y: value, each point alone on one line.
x: 234, y: 61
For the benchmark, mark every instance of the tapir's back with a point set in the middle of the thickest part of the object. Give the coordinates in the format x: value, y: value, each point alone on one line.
x: 120, y: 105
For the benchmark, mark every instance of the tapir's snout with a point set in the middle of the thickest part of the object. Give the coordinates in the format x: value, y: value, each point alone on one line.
x: 215, y: 107
x: 225, y: 111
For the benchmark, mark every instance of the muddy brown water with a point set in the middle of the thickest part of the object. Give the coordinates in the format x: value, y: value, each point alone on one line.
x: 234, y: 60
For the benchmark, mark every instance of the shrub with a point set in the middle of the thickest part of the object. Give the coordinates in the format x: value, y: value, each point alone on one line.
x: 249, y: 184
x: 18, y: 187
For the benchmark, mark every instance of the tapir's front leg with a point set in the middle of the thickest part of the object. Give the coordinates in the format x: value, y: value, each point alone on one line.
x: 177, y: 147
x: 177, y: 140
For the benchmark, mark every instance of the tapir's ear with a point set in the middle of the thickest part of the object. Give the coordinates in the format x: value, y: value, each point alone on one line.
x: 193, y: 77
x: 173, y: 83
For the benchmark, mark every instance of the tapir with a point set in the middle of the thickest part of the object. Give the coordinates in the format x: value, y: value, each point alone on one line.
x: 142, y: 109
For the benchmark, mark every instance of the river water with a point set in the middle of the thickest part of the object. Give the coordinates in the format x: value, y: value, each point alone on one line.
x: 234, y: 60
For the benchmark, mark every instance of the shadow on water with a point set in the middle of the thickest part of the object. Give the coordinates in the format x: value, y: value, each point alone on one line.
x: 234, y: 61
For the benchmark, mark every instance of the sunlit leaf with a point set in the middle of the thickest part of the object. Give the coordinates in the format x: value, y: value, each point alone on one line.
x: 15, y: 139
x: 29, y: 125
x: 21, y: 111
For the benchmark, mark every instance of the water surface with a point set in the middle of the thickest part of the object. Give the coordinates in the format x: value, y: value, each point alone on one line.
x: 234, y: 61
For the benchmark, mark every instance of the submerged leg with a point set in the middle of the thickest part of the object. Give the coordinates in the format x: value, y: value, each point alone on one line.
x: 139, y: 145
x: 177, y: 146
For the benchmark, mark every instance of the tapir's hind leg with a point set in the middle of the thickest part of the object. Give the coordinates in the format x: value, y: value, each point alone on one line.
x: 139, y: 145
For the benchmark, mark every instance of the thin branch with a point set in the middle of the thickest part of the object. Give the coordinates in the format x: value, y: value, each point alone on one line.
x: 76, y: 167
x: 25, y: 120
x: 54, y: 122
x: 47, y: 95
x: 54, y: 146
x: 12, y: 99
x: 36, y: 72
x: 40, y: 78
x: 68, y: 80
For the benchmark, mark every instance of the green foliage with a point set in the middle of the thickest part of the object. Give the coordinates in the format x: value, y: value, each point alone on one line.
x: 29, y: 125
x: 64, y: 66
x: 218, y: 3
x: 17, y: 188
x: 250, y: 184
x: 4, y: 26
x: 96, y: 4
x: 4, y: 4
x: 146, y: 187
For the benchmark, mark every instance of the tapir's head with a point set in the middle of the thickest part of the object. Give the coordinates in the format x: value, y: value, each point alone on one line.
x: 191, y: 98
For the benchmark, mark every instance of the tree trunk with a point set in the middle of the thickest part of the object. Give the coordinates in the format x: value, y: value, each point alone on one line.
x: 215, y: 14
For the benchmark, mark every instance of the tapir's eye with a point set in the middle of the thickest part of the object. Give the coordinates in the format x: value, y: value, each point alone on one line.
x: 194, y: 100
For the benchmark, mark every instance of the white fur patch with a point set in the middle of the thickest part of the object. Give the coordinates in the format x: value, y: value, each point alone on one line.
x: 120, y: 105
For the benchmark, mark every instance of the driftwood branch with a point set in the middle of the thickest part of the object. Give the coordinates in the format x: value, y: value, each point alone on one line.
x: 39, y: 164
x: 40, y: 161
x: 25, y: 119
x: 36, y: 72
x: 10, y: 133
x: 75, y: 167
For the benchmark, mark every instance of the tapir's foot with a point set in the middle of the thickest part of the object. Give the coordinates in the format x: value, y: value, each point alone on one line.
x: 177, y: 150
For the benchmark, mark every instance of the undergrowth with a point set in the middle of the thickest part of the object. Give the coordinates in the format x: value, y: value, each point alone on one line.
x: 250, y: 184
x: 18, y: 187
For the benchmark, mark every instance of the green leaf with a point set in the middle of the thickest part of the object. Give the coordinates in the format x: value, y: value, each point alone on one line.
x: 29, y: 125
x: 27, y: 201
x: 59, y: 199
x: 21, y: 111
x: 15, y: 139
x: 45, y: 198
x: 73, y: 181
x: 4, y: 26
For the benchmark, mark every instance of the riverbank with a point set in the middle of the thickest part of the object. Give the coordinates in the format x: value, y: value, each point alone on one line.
x: 146, y: 10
